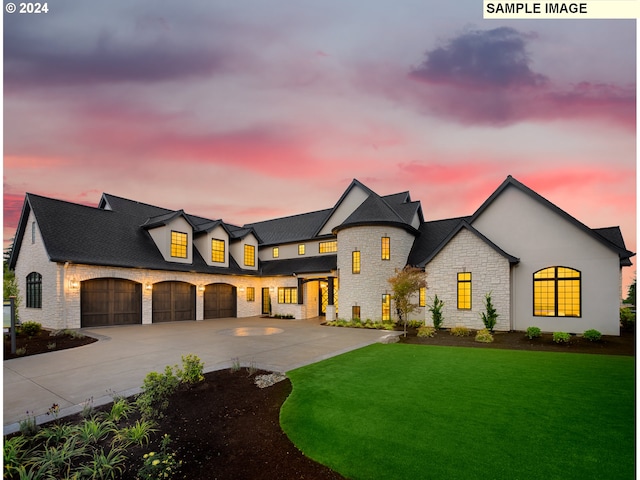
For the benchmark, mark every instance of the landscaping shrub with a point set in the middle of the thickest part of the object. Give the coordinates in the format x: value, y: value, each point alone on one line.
x: 490, y: 316
x: 484, y: 336
x: 31, y: 329
x: 192, y: 369
x: 436, y: 312
x: 156, y: 389
x: 561, y: 337
x: 162, y: 464
x: 460, y: 331
x: 415, y: 323
x: 627, y: 319
x: 592, y: 335
x: 426, y: 332
x: 533, y: 332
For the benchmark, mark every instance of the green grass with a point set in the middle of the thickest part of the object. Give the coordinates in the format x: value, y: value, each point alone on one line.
x: 410, y: 411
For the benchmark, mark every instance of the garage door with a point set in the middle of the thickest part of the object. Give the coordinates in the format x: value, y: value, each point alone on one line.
x: 220, y: 300
x: 110, y: 301
x: 173, y: 302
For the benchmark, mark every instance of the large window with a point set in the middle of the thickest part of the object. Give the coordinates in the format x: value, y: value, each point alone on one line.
x: 217, y: 250
x: 464, y: 290
x: 287, y: 295
x: 249, y: 256
x: 386, y: 307
x: 557, y: 292
x: 355, y: 262
x: 385, y: 246
x: 328, y: 247
x: 178, y: 244
x: 34, y: 290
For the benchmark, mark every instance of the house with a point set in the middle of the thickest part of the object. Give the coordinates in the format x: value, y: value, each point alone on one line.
x: 126, y: 262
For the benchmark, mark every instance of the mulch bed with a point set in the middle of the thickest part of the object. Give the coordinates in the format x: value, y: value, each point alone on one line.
x: 228, y: 428
x: 42, y: 342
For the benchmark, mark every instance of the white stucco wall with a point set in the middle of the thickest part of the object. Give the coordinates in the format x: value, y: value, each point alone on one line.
x: 466, y: 252
x: 353, y: 200
x: 366, y: 288
x: 203, y: 243
x: 541, y: 238
x: 237, y: 251
x: 162, y: 238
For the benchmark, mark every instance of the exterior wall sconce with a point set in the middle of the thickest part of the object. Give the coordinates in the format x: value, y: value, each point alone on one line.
x: 241, y: 289
x: 148, y: 286
x: 201, y: 288
x: 271, y: 289
x: 74, y: 284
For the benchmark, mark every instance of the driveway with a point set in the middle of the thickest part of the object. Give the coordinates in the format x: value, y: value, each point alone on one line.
x: 120, y: 360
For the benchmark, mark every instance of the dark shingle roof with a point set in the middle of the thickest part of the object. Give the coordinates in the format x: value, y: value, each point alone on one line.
x: 290, y: 229
x: 432, y: 234
x: 93, y: 236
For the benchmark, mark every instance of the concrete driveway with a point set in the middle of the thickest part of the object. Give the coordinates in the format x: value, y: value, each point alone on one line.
x: 120, y: 360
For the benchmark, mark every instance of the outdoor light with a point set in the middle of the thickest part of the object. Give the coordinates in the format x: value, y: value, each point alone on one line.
x: 148, y: 286
x: 201, y: 288
x: 241, y: 289
x: 73, y: 284
x: 271, y: 289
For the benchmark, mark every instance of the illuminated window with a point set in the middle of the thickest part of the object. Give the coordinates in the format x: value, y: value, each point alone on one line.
x: 386, y: 307
x: 34, y: 290
x: 251, y: 294
x: 301, y: 249
x: 355, y: 312
x: 464, y: 290
x: 179, y: 244
x: 276, y: 252
x: 386, y: 248
x: 287, y: 295
x: 217, y: 250
x: 556, y: 292
x: 328, y: 247
x: 355, y: 262
x: 422, y: 295
x: 250, y: 256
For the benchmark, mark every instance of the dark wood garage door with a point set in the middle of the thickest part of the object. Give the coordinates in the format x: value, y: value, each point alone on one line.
x: 110, y: 301
x: 173, y: 302
x: 220, y: 301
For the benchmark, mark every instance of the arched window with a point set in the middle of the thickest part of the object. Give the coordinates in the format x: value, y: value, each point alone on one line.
x: 557, y: 292
x: 34, y: 290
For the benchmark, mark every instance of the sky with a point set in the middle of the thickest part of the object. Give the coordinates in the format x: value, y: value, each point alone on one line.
x: 252, y: 110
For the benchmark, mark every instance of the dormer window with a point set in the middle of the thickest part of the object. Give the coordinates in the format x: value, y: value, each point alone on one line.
x: 249, y: 256
x: 178, y: 244
x: 217, y: 250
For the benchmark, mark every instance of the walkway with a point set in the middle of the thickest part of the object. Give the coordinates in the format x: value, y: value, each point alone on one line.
x: 124, y: 355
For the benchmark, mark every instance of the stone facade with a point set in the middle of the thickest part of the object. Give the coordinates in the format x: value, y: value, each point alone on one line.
x: 490, y: 273
x: 365, y: 289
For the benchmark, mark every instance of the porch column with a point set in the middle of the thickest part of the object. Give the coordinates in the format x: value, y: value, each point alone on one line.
x: 331, y: 308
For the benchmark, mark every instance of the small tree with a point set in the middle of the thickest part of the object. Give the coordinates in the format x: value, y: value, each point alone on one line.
x: 405, y: 285
x: 10, y: 287
x: 490, y: 317
x: 436, y: 312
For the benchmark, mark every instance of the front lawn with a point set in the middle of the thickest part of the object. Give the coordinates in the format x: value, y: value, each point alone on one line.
x: 410, y: 411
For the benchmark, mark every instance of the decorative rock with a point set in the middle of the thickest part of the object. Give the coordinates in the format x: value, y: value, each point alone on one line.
x: 263, y: 381
x: 389, y: 339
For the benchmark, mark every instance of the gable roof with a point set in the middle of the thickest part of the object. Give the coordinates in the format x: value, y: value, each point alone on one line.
x: 463, y: 224
x: 165, y: 218
x: 511, y: 182
x: 96, y: 236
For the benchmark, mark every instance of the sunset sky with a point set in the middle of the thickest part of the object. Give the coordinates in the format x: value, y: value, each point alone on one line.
x: 258, y: 109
